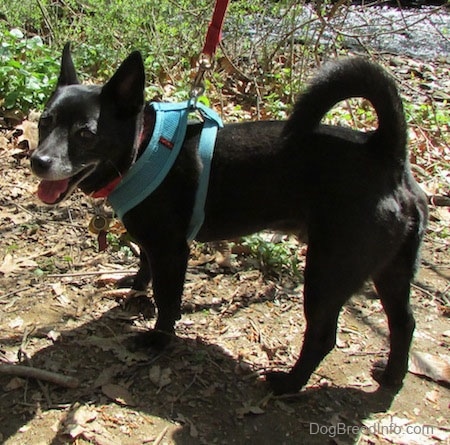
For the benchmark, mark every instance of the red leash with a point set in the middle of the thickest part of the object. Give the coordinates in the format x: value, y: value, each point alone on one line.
x: 214, y: 34
x: 213, y: 37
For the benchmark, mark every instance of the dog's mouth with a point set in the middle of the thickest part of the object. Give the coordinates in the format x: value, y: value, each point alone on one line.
x: 55, y: 191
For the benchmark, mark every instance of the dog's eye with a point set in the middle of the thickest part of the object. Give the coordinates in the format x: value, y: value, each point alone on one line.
x: 86, y: 134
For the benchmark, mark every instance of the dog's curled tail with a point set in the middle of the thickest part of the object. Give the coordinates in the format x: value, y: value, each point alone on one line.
x: 345, y: 79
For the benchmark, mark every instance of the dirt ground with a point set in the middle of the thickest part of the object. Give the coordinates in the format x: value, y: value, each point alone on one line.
x: 60, y: 312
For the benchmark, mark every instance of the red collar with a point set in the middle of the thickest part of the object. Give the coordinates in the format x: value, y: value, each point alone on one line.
x: 105, y: 191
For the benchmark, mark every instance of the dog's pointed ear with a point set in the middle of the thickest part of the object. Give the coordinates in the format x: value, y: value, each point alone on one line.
x: 67, y: 75
x: 126, y: 86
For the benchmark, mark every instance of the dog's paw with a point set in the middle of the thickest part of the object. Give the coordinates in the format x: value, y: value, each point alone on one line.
x: 135, y: 282
x: 126, y: 282
x: 154, y: 340
x: 282, y: 383
x: 384, y: 377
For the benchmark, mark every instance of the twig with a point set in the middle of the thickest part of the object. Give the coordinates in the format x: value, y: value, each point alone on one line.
x: 161, y: 435
x: 185, y: 390
x: 39, y: 374
x: 87, y: 274
x: 424, y: 291
x: 439, y: 200
x: 10, y: 294
x: 46, y: 17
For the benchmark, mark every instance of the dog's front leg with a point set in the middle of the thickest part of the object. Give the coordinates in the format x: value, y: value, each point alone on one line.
x: 168, y: 263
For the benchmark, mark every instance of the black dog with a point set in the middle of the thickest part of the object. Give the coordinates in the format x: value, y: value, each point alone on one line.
x: 350, y: 194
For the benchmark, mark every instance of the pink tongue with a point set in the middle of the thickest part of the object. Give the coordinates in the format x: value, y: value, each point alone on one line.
x: 50, y: 191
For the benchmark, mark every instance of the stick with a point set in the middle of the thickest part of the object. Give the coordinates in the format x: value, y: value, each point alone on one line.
x: 424, y: 291
x: 438, y: 200
x: 161, y: 436
x: 10, y: 294
x: 40, y: 374
x: 88, y: 274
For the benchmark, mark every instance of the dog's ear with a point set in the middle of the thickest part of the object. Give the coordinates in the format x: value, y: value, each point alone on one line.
x: 67, y: 75
x: 126, y: 86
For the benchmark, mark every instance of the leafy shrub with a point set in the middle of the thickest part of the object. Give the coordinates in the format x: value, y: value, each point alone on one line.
x: 28, y: 71
x: 275, y: 258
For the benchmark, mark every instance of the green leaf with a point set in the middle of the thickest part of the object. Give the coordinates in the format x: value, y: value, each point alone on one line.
x: 17, y: 33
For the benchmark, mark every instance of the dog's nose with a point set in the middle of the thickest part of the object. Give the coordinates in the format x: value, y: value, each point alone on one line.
x: 40, y: 164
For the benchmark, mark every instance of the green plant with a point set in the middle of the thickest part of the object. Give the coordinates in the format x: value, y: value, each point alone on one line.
x: 46, y: 265
x: 28, y: 71
x: 275, y: 259
x: 119, y: 243
x: 12, y: 248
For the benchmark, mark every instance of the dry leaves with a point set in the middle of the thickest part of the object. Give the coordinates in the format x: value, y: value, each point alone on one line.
x: 119, y: 394
x: 12, y: 264
x: 400, y: 430
x: 430, y: 365
x: 82, y: 423
x: 29, y: 137
x: 160, y: 377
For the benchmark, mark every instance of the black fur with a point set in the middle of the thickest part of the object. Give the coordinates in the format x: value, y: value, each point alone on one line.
x: 350, y: 194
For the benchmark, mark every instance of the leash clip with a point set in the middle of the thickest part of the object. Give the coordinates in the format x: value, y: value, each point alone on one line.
x: 198, y: 86
x: 213, y: 37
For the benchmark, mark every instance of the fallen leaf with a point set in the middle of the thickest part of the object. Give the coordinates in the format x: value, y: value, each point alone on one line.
x: 84, y: 415
x: 160, y: 377
x: 107, y: 375
x: 155, y: 374
x: 3, y: 142
x: 16, y: 323
x: 8, y: 265
x: 53, y: 335
x: 249, y: 409
x: 83, y: 425
x: 118, y: 349
x: 192, y: 428
x: 283, y: 406
x: 14, y: 383
x: 30, y: 134
x: 119, y: 394
x: 432, y: 396
x: 431, y: 366
x: 12, y: 264
x: 57, y: 288
x: 402, y: 431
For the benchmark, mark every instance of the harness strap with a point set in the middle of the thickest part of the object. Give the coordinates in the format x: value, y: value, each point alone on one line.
x: 156, y: 161
x: 158, y: 158
x: 205, y: 150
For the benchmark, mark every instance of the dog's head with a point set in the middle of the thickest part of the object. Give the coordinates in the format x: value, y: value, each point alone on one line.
x: 87, y: 133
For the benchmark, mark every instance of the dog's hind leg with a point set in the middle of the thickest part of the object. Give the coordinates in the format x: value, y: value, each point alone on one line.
x: 331, y: 277
x: 393, y: 286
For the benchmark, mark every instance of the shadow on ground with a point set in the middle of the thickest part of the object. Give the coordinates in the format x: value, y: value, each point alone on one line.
x: 208, y: 397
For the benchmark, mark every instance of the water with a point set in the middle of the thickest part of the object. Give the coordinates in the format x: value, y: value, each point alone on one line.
x: 421, y: 33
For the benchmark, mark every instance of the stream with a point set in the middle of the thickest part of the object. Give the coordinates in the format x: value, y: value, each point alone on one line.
x: 421, y: 33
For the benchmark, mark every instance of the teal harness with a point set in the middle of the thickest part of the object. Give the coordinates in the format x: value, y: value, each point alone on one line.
x: 147, y: 173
